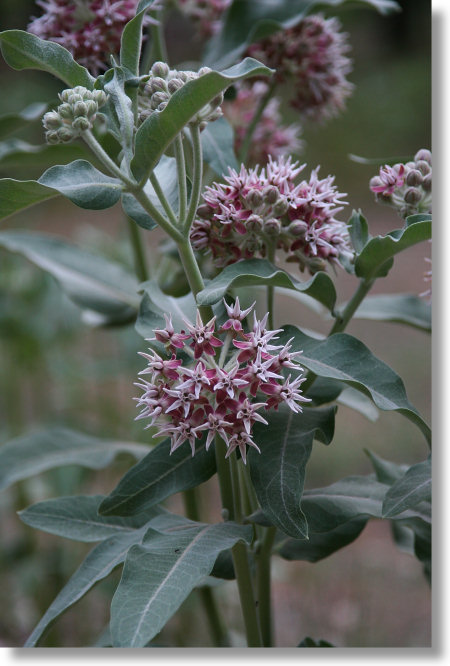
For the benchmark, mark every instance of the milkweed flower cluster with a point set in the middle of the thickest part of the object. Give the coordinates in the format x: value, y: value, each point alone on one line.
x: 89, y: 29
x: 258, y: 209
x: 205, y: 14
x: 187, y: 400
x: 311, y: 57
x: 75, y: 115
x: 406, y: 187
x: 162, y: 82
x: 270, y: 137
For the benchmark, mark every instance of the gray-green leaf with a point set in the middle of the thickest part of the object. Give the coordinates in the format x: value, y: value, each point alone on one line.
x: 399, y: 308
x: 409, y: 491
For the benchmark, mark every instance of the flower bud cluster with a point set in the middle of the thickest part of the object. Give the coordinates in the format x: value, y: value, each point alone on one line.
x: 163, y: 82
x: 255, y: 210
x: 407, y: 187
x: 205, y: 14
x: 311, y: 58
x: 90, y: 29
x: 75, y: 115
x: 203, y: 396
x: 270, y: 137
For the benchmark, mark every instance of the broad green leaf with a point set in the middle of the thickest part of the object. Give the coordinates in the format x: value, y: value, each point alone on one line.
x: 323, y: 544
x: 324, y: 391
x: 83, y: 184
x: 386, y: 471
x: 78, y: 518
x: 17, y: 153
x: 347, y: 359
x: 309, y: 642
x: 159, y: 475
x: 399, y: 308
x: 359, y: 402
x: 247, y: 22
x: 160, y: 129
x: 16, y: 195
x: 11, y: 122
x: 99, y: 563
x: 278, y: 472
x: 155, y: 303
x: 409, y: 491
x: 358, y: 230
x: 217, y: 144
x: 39, y: 451
x: 251, y: 272
x: 160, y: 573
x: 91, y: 281
x: 22, y: 50
x: 375, y: 259
x: 131, y: 40
x: 114, y: 85
x: 166, y: 173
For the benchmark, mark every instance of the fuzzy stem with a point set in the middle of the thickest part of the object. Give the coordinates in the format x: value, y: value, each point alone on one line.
x: 165, y: 224
x: 193, y: 275
x: 162, y: 198
x: 271, y: 248
x: 110, y: 165
x: 197, y: 175
x: 181, y: 172
x: 223, y: 472
x: 245, y: 147
x: 140, y: 260
x: 263, y: 578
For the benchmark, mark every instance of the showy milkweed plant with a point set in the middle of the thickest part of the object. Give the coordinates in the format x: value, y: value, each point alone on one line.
x: 224, y: 391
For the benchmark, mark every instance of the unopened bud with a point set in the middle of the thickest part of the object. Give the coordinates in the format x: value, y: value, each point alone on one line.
x: 423, y: 154
x: 254, y: 198
x: 65, y: 111
x: 162, y: 106
x: 217, y: 101
x: 270, y: 194
x: 202, y: 126
x: 426, y: 184
x: 175, y: 84
x: 215, y: 115
x: 281, y: 207
x: 254, y: 223
x: 81, y: 124
x: 158, y: 84
x: 412, y: 195
x: 316, y: 264
x: 375, y: 182
x: 204, y: 70
x: 52, y: 136
x: 80, y: 109
x: 100, y: 97
x: 160, y: 69
x: 414, y: 178
x: 298, y: 228
x: 423, y: 166
x: 204, y: 211
x: 51, y: 120
x: 92, y: 107
x: 65, y: 134
x: 272, y: 226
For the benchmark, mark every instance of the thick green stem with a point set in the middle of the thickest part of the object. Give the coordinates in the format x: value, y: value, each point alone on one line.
x: 105, y: 159
x: 263, y: 578
x: 162, y: 198
x: 140, y: 260
x: 342, y: 319
x: 165, y: 224
x: 245, y: 147
x: 197, y: 176
x: 193, y: 275
x: 224, y: 474
x: 182, y: 183
x: 270, y: 288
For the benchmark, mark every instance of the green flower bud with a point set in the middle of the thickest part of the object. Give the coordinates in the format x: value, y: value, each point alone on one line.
x: 427, y: 183
x: 270, y: 194
x: 157, y: 98
x: 157, y: 84
x: 254, y: 198
x: 413, y: 195
x: 272, y: 226
x: 298, y: 228
x: 52, y: 120
x: 280, y: 207
x: 414, y: 178
x: 100, y: 97
x: 92, y: 107
x: 80, y: 109
x: 316, y: 264
x: 65, y: 134
x: 254, y: 223
x: 65, y: 111
x: 52, y: 136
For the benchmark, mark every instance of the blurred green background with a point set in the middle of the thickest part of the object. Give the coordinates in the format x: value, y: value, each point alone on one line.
x: 56, y: 370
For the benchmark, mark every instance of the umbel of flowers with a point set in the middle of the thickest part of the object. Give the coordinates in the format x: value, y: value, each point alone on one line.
x: 90, y: 29
x: 162, y: 82
x: 311, y: 57
x: 406, y: 187
x: 271, y: 136
x: 74, y: 115
x: 216, y: 391
x: 257, y: 211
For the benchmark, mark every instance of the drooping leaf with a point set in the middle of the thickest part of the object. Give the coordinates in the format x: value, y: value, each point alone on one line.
x: 217, y: 145
x: 376, y: 257
x: 77, y: 518
x: 46, y: 449
x: 16, y: 195
x: 278, y: 472
x: 11, y: 122
x: 309, y: 642
x: 247, y: 22
x: 251, y: 272
x: 166, y: 173
x: 83, y: 184
x: 157, y: 476
x: 323, y: 544
x: 160, y: 129
x: 160, y: 573
x: 399, y: 308
x: 22, y: 50
x: 409, y: 491
x: 91, y: 281
x: 347, y: 359
x: 131, y: 40
x: 98, y: 564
